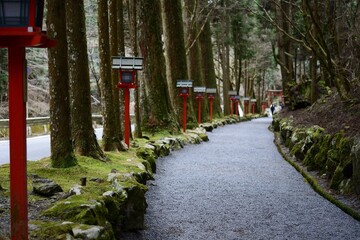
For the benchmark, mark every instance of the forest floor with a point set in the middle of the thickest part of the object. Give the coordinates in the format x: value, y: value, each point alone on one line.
x: 330, y: 113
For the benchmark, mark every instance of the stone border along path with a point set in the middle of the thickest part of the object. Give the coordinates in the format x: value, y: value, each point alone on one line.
x: 237, y: 186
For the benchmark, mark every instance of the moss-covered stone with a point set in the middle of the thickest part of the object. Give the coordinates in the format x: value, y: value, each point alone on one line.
x: 148, y: 153
x: 320, y: 157
x: 78, y: 209
x: 69, y: 230
x: 134, y: 209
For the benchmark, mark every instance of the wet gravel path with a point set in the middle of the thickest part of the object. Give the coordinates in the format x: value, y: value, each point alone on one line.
x: 237, y: 186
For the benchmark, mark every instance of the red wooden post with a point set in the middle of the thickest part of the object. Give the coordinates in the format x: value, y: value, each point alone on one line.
x: 211, y: 108
x: 231, y: 106
x: 184, y: 112
x: 199, y: 110
x: 17, y: 116
x: 127, y: 116
x: 237, y: 107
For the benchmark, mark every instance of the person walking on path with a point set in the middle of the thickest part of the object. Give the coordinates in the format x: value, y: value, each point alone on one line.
x: 272, y: 108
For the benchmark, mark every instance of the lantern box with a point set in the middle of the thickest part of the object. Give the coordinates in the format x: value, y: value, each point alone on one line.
x: 232, y: 93
x: 211, y: 93
x: 184, y: 85
x: 128, y: 67
x: 127, y: 79
x: 21, y: 24
x: 199, y: 92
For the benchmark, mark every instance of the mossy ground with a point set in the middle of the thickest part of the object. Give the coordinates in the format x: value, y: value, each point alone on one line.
x: 120, y: 162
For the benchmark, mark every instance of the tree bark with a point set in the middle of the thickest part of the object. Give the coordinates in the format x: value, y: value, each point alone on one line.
x: 62, y: 153
x: 175, y: 54
x: 111, y: 140
x: 284, y: 44
x: 113, y: 23
x: 207, y: 64
x: 132, y: 12
x: 193, y: 49
x: 85, y: 142
x: 121, y: 52
x: 160, y: 114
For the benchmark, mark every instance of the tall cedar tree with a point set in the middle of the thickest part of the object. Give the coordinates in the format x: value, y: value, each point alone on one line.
x: 132, y: 14
x: 207, y: 63
x: 111, y: 140
x: 62, y: 153
x: 85, y: 142
x: 284, y: 45
x: 161, y: 113
x: 113, y: 21
x: 222, y: 34
x: 175, y: 53
x: 121, y: 52
x: 191, y: 15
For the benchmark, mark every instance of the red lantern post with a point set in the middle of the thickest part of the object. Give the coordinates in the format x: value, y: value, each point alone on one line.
x: 246, y: 104
x: 232, y: 95
x: 253, y: 104
x: 263, y: 106
x: 184, y: 85
x: 128, y: 67
x: 20, y: 27
x: 199, y: 97
x: 237, y: 98
x: 211, y: 96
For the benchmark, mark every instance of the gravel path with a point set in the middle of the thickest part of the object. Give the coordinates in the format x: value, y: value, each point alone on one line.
x: 237, y: 186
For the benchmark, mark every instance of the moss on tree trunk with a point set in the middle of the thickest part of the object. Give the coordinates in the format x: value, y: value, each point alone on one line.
x: 160, y: 112
x: 85, y: 142
x: 62, y: 154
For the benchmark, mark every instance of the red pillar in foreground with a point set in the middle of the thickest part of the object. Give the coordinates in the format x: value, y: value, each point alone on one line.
x: 17, y: 124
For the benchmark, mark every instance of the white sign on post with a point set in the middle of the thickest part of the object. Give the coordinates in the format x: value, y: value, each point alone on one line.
x: 200, y: 89
x: 184, y: 83
x: 130, y: 63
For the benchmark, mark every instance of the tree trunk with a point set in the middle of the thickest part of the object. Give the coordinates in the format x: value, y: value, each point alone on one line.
x: 62, y: 153
x: 160, y: 114
x: 121, y: 52
x: 313, y: 77
x: 132, y: 12
x: 193, y: 49
x: 208, y: 69
x: 111, y: 140
x: 85, y: 142
x: 284, y: 44
x: 175, y: 53
x: 113, y: 23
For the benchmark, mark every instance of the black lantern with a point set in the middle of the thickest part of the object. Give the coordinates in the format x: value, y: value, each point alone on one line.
x: 27, y: 14
x: 127, y: 77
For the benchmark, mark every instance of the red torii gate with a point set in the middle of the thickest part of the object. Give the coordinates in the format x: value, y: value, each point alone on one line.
x: 274, y: 93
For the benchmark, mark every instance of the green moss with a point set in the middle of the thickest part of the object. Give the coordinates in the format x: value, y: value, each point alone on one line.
x: 337, y: 178
x: 320, y: 157
x: 148, y: 155
x: 48, y: 230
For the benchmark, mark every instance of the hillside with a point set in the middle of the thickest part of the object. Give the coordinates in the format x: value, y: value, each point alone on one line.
x: 331, y: 113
